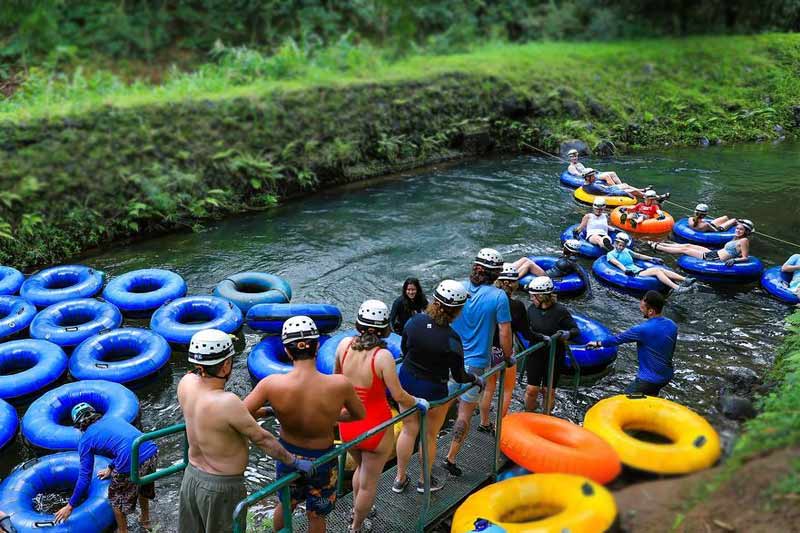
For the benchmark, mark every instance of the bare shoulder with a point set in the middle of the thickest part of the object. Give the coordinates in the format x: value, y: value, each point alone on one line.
x: 384, y: 359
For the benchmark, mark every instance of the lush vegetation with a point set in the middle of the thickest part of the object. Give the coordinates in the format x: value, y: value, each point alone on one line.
x: 88, y: 160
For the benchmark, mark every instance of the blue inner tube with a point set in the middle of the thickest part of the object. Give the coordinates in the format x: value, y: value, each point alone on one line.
x: 16, y: 314
x: 268, y: 357
x: 121, y: 355
x: 512, y: 471
x: 47, y: 423
x: 710, y: 239
x: 178, y: 320
x: 56, y: 473
x: 270, y: 317
x: 571, y: 180
x: 591, y: 330
x: 326, y: 358
x: 250, y: 288
x: 568, y: 285
x: 10, y: 280
x: 716, y: 271
x: 9, y: 423
x: 41, y: 363
x: 608, y: 273
x: 776, y: 283
x: 588, y: 249
x: 141, y: 292
x: 70, y: 323
x: 60, y: 283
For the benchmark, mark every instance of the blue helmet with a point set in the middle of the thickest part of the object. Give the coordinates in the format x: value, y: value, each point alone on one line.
x: 81, y: 410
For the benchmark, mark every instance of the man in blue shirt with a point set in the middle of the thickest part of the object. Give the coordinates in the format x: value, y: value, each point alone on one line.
x: 113, y: 438
x: 486, y: 309
x: 655, y: 340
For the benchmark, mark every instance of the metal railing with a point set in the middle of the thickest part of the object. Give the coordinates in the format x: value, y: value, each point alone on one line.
x: 281, y: 486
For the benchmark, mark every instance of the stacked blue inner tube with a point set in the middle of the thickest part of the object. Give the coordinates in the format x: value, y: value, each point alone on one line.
x: 270, y: 317
x: 11, y: 280
x: 590, y: 360
x: 247, y: 289
x: 50, y: 474
x: 571, y: 180
x: 16, y: 315
x: 9, y: 423
x: 140, y: 292
x: 588, y: 249
x: 60, y: 283
x: 716, y: 272
x: 268, y: 357
x: 125, y: 355
x: 712, y: 239
x: 568, y: 285
x: 326, y: 358
x: 179, y: 319
x: 776, y: 283
x: 43, y: 423
x: 71, y: 322
x: 42, y: 363
x: 611, y: 275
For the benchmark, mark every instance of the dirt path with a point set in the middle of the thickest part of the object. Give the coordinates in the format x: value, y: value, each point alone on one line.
x: 743, y: 504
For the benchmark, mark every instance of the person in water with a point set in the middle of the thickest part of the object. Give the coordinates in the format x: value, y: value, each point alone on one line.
x: 111, y: 437
x: 655, y: 340
x: 508, y: 282
x: 792, y: 266
x: 577, y: 169
x: 622, y: 258
x: 5, y: 524
x: 546, y: 318
x: 595, y: 225
x: 565, y: 265
x: 642, y: 211
x: 408, y: 304
x: 735, y: 251
x: 370, y: 367
x: 218, y: 428
x: 486, y: 309
x: 592, y: 186
x: 432, y: 351
x: 698, y: 221
x: 307, y: 404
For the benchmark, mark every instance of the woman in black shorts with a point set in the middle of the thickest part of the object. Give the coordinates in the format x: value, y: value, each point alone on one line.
x: 546, y: 317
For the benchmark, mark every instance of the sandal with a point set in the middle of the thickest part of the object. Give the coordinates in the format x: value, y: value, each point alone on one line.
x: 653, y: 245
x: 489, y: 428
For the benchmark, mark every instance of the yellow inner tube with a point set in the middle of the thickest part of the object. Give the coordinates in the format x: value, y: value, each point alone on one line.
x: 540, y: 503
x: 612, y: 201
x: 695, y: 444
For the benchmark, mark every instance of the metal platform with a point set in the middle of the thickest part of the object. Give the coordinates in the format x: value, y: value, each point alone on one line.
x: 400, y: 512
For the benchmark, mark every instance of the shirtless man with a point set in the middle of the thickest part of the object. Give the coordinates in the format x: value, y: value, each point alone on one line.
x: 307, y: 404
x: 218, y: 428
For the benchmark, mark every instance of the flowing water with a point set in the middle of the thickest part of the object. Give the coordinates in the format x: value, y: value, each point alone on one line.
x: 361, y: 242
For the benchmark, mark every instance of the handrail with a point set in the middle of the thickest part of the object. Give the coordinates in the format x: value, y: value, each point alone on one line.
x: 281, y: 485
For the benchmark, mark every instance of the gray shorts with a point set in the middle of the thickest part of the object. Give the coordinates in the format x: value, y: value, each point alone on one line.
x: 207, y: 501
x: 472, y: 395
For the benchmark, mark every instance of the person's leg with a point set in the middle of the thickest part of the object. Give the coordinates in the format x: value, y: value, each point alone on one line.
x: 601, y: 240
x: 680, y: 249
x: 508, y: 388
x: 486, y: 400
x: 371, y: 466
x: 436, y: 417
x: 531, y: 398
x: 674, y: 276
x: 525, y: 266
x: 122, y: 521
x: 639, y: 386
x: 357, y: 457
x: 660, y: 275
x: 727, y: 224
x: 405, y: 445
x: 460, y: 432
x: 144, y: 509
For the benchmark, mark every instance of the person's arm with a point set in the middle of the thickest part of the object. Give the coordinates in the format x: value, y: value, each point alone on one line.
x: 240, y: 419
x: 393, y: 318
x: 615, y: 262
x: 82, y: 485
x: 353, y: 406
x: 387, y: 371
x: 792, y: 264
x: 633, y: 334
x: 503, y: 318
x: 258, y: 397
x: 582, y: 226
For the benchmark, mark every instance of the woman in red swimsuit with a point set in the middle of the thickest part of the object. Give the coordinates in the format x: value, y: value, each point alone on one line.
x: 365, y: 360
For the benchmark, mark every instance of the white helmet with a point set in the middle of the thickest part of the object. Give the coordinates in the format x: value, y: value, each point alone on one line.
x: 650, y: 194
x: 624, y: 237
x: 451, y: 293
x: 572, y: 245
x: 572, y: 151
x: 299, y: 327
x: 509, y: 272
x: 209, y: 347
x: 701, y: 208
x: 589, y: 171
x: 541, y: 285
x: 748, y: 225
x: 489, y: 258
x: 599, y: 203
x: 373, y: 313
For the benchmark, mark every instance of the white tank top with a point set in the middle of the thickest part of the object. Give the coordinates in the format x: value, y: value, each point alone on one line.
x: 598, y: 225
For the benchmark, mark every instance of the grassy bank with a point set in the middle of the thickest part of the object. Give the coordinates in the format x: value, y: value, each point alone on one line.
x: 86, y: 161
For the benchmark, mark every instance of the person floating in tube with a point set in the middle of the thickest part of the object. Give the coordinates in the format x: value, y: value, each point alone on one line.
x: 699, y: 222
x: 592, y: 186
x: 650, y: 208
x: 565, y: 265
x: 735, y: 250
x: 576, y: 168
x: 792, y: 266
x: 622, y: 258
x: 595, y: 225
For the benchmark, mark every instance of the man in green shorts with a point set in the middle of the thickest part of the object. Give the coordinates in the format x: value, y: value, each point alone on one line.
x: 219, y: 429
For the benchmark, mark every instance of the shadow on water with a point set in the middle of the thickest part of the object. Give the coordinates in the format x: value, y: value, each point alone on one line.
x: 348, y: 245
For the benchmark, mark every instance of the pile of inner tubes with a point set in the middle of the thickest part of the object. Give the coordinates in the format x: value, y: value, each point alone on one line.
x: 9, y: 423
x: 37, y: 363
x: 712, y: 239
x: 140, y: 292
x: 269, y: 318
x: 71, y: 322
x: 59, y: 283
x: 126, y: 355
x: 16, y: 315
x: 43, y: 426
x: 250, y: 288
x: 569, y: 285
x: 745, y: 271
x: 10, y: 280
x: 179, y: 319
x: 776, y: 283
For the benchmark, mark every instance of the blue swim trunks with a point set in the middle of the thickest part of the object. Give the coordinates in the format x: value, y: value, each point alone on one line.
x: 318, y: 491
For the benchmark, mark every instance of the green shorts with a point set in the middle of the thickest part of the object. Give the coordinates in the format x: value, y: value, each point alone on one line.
x: 207, y: 501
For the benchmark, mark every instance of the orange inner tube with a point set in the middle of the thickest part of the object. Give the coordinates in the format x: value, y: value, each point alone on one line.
x: 545, y: 444
x: 650, y: 225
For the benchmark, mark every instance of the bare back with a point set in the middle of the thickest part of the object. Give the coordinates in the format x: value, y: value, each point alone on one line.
x: 215, y: 446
